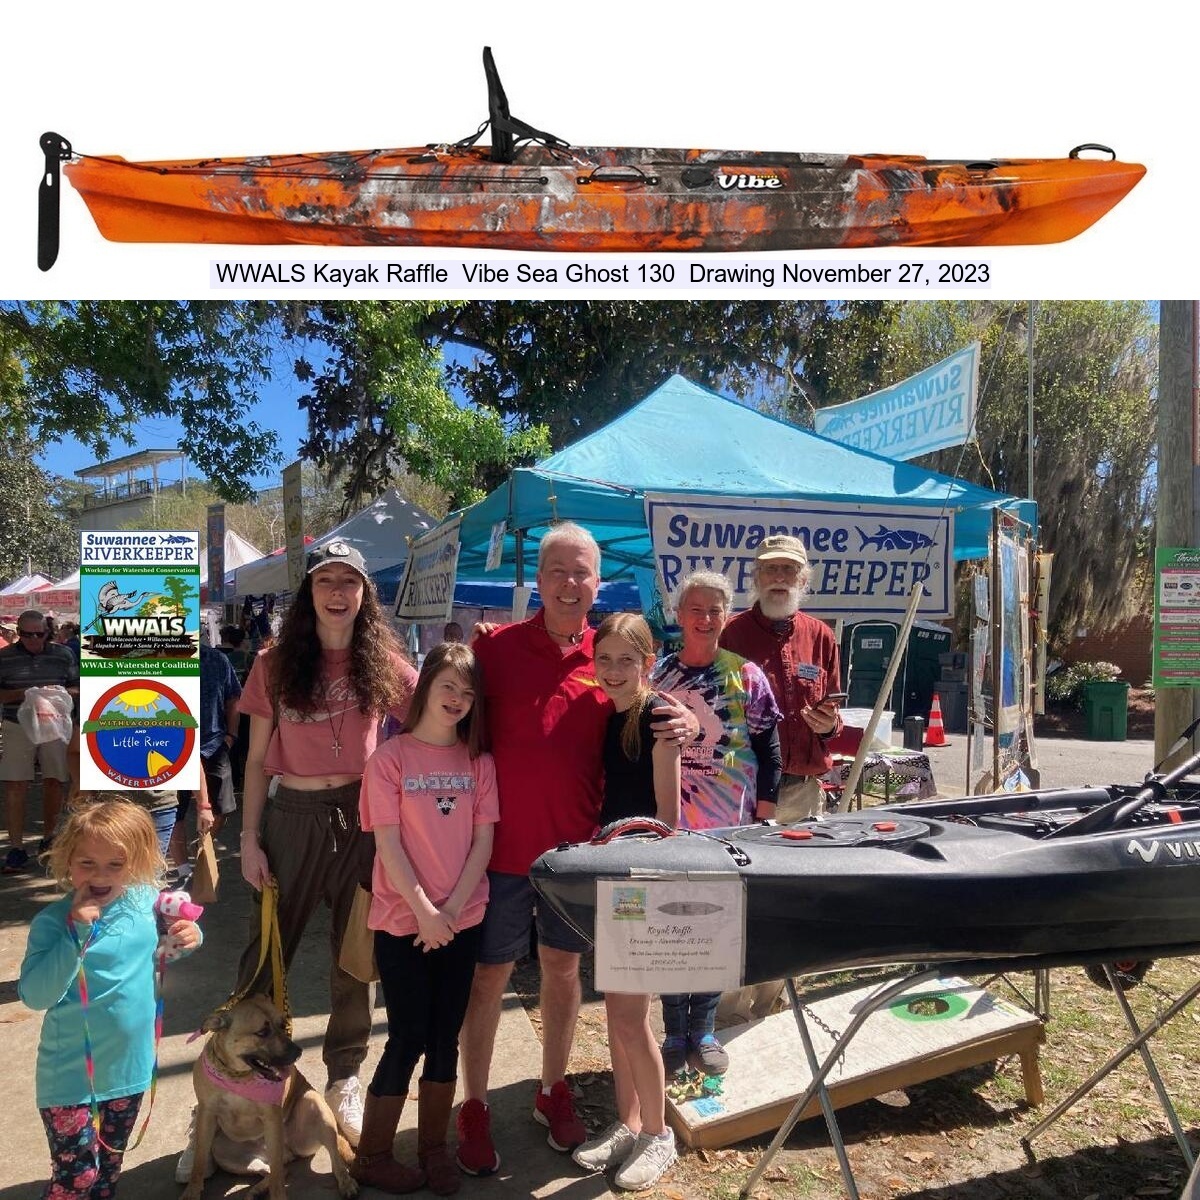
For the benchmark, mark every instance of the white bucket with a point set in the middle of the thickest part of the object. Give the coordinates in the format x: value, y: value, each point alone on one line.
x: 859, y: 718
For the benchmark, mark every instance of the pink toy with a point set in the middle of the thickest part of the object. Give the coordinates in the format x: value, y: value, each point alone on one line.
x: 177, y: 906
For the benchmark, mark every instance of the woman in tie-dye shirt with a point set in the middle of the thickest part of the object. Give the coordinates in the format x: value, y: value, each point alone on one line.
x: 730, y: 771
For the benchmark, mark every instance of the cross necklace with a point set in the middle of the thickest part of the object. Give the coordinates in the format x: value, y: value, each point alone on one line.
x: 337, y: 730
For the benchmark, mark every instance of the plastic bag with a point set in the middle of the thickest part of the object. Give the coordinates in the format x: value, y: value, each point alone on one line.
x: 45, y: 714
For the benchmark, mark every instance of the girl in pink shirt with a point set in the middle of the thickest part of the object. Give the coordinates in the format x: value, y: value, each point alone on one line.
x: 430, y: 797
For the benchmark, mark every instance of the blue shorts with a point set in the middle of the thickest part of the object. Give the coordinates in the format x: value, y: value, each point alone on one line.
x: 512, y: 908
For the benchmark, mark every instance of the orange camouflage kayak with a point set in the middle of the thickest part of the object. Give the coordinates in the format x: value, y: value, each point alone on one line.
x: 533, y: 191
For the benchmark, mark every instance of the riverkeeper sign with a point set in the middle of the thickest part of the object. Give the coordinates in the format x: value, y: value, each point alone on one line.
x: 864, y: 558
x: 925, y: 412
x: 426, y: 594
x: 139, y: 668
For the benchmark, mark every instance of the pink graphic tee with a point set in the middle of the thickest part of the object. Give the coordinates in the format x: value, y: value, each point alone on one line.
x: 437, y: 795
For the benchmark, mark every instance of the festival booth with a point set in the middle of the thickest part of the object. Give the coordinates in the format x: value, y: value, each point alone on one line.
x: 238, y: 552
x: 21, y: 594
x: 731, y: 475
x: 380, y: 533
x: 683, y: 439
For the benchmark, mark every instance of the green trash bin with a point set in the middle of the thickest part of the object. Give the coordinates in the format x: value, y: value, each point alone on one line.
x: 1106, y: 706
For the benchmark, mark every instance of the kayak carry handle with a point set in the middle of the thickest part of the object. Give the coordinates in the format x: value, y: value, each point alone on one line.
x: 1112, y: 154
x: 629, y: 174
x: 630, y: 825
x: 57, y: 150
x: 1116, y: 812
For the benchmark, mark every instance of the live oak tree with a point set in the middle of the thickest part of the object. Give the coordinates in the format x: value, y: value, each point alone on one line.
x: 370, y: 381
x: 35, y: 530
x: 378, y: 406
x: 574, y: 365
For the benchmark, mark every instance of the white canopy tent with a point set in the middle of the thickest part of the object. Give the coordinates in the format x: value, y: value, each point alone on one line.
x: 27, y: 583
x: 238, y: 552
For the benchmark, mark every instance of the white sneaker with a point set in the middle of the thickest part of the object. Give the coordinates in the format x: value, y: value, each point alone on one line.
x: 607, y: 1150
x: 648, y: 1161
x: 183, y: 1168
x: 345, y: 1099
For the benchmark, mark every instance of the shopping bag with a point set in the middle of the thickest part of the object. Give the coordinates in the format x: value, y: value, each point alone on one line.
x: 357, y: 956
x: 45, y: 714
x: 205, y: 875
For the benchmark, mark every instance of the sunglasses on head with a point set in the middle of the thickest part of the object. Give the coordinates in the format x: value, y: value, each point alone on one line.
x: 33, y: 633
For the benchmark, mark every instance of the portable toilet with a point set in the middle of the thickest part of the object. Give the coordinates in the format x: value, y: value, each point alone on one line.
x: 867, y: 651
x: 927, y: 641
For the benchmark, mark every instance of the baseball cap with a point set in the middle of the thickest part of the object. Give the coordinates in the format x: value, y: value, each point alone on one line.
x: 781, y: 546
x: 335, y: 553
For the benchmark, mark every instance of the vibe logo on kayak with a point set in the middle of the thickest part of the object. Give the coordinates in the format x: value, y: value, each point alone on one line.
x: 1148, y: 851
x: 744, y: 179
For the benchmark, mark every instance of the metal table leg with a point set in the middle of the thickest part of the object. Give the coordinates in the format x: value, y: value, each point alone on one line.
x: 1141, y: 1037
x: 885, y: 995
x: 1150, y: 1065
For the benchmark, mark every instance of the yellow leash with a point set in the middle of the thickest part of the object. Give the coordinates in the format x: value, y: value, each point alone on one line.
x: 270, y: 942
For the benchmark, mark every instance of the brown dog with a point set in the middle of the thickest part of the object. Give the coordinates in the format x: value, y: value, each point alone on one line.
x: 254, y: 1106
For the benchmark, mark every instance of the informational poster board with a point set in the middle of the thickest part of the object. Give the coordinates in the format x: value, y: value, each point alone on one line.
x: 426, y: 594
x: 293, y: 524
x: 495, y: 553
x: 215, y: 536
x: 139, y: 669
x: 670, y: 936
x: 1177, y: 617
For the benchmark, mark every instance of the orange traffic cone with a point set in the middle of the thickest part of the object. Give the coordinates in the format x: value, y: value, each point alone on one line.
x: 936, y: 734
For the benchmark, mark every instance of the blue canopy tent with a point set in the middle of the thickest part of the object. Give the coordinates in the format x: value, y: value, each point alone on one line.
x: 685, y: 438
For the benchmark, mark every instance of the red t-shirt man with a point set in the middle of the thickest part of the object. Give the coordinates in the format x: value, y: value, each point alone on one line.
x: 546, y: 716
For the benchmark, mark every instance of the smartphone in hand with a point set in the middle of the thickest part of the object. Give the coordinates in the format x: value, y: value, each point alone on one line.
x: 836, y: 697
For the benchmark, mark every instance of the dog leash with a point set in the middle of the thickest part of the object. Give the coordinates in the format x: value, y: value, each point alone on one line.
x: 270, y: 942
x: 89, y: 1059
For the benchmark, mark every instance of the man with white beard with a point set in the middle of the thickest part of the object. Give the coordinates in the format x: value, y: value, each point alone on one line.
x: 799, y: 655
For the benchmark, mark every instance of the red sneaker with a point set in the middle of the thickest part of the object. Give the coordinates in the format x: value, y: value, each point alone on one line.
x: 476, y: 1153
x: 557, y: 1112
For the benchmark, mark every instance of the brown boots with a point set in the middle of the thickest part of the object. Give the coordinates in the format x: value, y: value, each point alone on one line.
x: 374, y: 1163
x: 434, y: 1102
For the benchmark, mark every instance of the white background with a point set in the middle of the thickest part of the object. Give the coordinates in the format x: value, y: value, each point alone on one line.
x: 148, y: 80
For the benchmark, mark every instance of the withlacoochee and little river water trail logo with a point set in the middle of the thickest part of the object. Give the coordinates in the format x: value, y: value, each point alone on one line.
x: 140, y: 733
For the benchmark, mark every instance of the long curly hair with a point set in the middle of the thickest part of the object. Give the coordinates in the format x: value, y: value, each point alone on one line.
x: 295, y: 680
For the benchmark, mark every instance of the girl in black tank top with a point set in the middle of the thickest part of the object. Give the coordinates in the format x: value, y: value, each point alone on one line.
x: 641, y: 779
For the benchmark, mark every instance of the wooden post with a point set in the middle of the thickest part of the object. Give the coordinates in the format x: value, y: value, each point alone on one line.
x: 1178, y: 484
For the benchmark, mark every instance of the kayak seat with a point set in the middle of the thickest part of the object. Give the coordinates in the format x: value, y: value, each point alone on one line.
x: 508, y: 130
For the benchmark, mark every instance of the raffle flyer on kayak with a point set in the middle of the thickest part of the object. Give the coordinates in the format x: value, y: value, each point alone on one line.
x: 791, y: 152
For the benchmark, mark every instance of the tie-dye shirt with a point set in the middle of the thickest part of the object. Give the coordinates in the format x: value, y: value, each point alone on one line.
x: 732, y: 700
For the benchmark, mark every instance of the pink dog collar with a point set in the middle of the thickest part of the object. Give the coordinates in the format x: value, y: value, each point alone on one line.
x: 253, y: 1087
